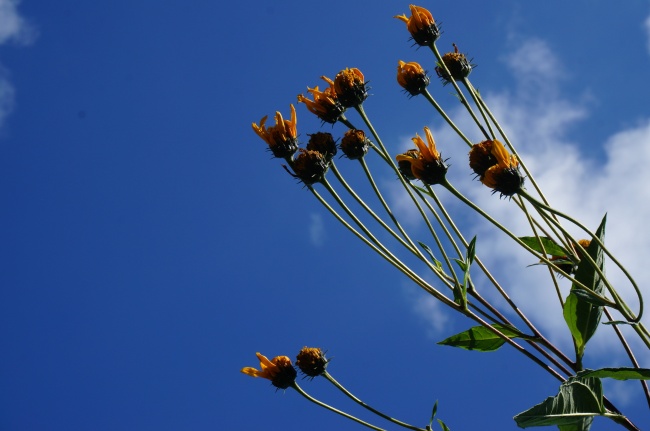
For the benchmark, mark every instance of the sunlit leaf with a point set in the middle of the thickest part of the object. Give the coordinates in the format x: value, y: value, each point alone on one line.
x: 481, y: 338
x: 578, y: 400
x: 443, y: 426
x: 550, y: 247
x: 581, y: 316
x: 617, y: 373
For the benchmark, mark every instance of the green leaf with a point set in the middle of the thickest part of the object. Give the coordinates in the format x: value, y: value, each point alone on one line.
x: 617, y: 373
x: 550, y: 247
x: 433, y: 412
x: 581, y: 425
x: 443, y: 426
x: 428, y: 250
x: 620, y: 322
x: 581, y: 316
x: 593, y: 300
x: 481, y: 338
x: 578, y: 400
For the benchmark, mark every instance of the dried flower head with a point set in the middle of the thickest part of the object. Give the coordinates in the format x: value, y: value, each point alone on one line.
x: 354, y: 144
x: 325, y: 104
x: 281, y: 138
x: 457, y: 63
x: 495, y: 167
x: 310, y: 166
x: 350, y: 86
x: 324, y: 143
x: 278, y: 370
x: 421, y: 25
x: 311, y: 361
x: 428, y: 167
x: 404, y: 163
x: 412, y: 77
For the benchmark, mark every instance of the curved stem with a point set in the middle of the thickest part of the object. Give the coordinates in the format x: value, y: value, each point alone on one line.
x: 621, y: 306
x: 332, y: 409
x: 340, y: 387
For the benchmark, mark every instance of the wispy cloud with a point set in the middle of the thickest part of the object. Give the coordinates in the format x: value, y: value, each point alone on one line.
x: 13, y: 29
x: 316, y: 230
x: 536, y: 116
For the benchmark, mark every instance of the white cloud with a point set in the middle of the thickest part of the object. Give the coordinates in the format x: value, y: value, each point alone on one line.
x: 536, y: 117
x: 316, y: 230
x: 13, y: 28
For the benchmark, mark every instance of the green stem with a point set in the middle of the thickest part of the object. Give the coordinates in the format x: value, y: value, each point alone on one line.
x: 541, y: 257
x: 332, y: 409
x: 621, y: 306
x: 444, y: 115
x: 361, y: 202
x: 472, y: 92
x: 331, y: 379
x: 462, y: 97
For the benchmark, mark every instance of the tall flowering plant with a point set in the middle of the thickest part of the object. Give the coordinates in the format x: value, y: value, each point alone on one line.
x: 451, y: 256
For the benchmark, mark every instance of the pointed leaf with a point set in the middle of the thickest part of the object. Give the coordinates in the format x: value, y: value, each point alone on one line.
x: 617, y: 373
x: 581, y: 316
x: 433, y: 412
x: 428, y: 250
x: 577, y: 400
x: 550, y: 247
x: 481, y: 338
x: 443, y: 426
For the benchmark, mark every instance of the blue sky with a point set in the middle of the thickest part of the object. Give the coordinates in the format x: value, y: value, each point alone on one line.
x: 151, y: 246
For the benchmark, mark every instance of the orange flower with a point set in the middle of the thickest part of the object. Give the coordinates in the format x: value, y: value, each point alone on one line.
x: 496, y: 168
x: 325, y: 104
x: 281, y: 138
x: 421, y: 25
x: 429, y: 166
x: 278, y: 370
x: 350, y: 87
x: 412, y: 77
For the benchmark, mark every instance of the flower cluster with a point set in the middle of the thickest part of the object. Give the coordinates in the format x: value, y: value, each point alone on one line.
x: 280, y: 371
x: 495, y: 167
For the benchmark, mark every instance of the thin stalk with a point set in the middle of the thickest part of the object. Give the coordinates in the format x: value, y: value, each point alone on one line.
x: 543, y: 258
x: 619, y: 301
x: 340, y: 387
x: 387, y: 256
x: 521, y: 205
x: 444, y: 115
x: 472, y: 92
x: 361, y: 202
x: 630, y: 354
x: 332, y: 409
x: 462, y: 97
x: 407, y: 187
x: 371, y: 180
